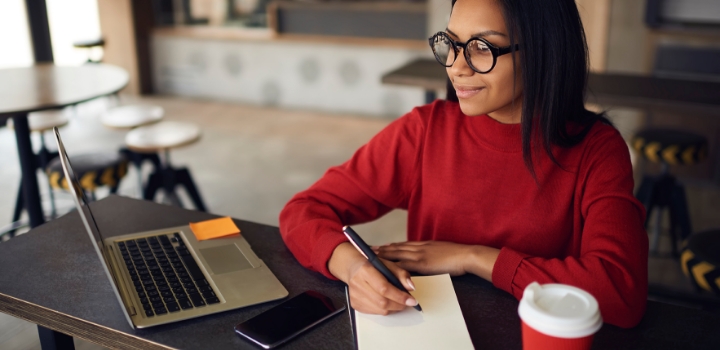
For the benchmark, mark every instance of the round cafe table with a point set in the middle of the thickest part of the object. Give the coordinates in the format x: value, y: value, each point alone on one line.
x: 42, y: 87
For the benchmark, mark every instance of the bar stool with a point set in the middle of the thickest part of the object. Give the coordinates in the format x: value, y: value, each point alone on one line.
x: 39, y: 122
x: 161, y: 138
x: 131, y: 116
x: 700, y: 261
x: 668, y: 147
x: 90, y: 45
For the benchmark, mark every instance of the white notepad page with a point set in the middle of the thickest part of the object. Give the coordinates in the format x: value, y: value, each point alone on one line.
x: 440, y: 325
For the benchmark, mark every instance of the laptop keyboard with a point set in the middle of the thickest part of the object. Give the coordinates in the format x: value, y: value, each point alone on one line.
x: 165, y: 275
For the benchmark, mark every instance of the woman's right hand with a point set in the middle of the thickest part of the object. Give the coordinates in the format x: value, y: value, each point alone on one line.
x: 370, y: 291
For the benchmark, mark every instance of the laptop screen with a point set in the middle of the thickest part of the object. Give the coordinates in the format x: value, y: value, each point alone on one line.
x: 81, y: 201
x: 87, y: 217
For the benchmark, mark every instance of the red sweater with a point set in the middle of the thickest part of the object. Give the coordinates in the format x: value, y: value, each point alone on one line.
x: 462, y: 179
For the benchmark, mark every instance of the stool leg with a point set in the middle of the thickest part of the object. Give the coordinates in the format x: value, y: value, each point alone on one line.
x: 138, y: 159
x: 674, y: 226
x: 169, y: 183
x: 655, y: 243
x: 19, y: 206
x: 53, y: 209
x: 680, y: 203
x: 645, y: 195
x: 154, y: 183
x: 679, y: 208
x: 138, y: 169
x: 44, y: 159
x: 183, y: 176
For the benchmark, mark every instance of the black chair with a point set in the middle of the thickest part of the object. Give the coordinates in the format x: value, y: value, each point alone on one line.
x: 663, y: 191
x: 92, y: 170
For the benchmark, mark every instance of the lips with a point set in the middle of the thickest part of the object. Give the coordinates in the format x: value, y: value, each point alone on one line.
x: 467, y: 91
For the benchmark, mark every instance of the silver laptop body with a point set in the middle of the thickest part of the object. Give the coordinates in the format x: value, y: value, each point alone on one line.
x: 227, y: 274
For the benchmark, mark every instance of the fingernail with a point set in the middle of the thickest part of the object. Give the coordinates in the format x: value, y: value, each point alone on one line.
x: 412, y: 285
x: 374, y: 247
x: 411, y: 302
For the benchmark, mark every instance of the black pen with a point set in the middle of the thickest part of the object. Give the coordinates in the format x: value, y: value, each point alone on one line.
x: 367, y: 252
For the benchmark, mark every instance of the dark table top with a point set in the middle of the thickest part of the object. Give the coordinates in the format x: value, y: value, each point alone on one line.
x: 47, y: 86
x: 625, y: 90
x: 51, y: 276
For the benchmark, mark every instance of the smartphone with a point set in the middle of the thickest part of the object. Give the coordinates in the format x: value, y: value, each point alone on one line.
x: 285, y: 321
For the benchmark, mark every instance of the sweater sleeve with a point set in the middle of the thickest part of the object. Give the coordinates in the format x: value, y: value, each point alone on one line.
x: 378, y: 178
x: 612, y: 264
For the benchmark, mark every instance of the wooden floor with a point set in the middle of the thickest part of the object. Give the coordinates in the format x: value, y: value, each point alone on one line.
x: 260, y: 158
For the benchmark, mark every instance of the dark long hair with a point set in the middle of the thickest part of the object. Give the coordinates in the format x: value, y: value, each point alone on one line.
x: 554, y: 59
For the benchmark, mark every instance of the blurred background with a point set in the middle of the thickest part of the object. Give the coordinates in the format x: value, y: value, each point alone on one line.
x: 281, y: 90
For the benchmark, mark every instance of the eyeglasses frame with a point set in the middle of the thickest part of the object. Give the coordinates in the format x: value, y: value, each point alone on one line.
x: 456, y: 45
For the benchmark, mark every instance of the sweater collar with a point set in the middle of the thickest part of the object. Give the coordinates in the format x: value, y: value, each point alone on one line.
x: 493, y: 134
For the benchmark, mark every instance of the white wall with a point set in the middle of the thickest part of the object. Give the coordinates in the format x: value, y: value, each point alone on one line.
x: 14, y: 35
x: 71, y: 21
x: 327, y: 77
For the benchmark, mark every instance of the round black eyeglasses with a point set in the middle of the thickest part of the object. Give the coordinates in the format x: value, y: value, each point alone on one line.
x: 480, y: 54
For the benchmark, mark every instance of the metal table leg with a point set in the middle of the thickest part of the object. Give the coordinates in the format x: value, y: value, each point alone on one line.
x: 28, y: 167
x: 52, y: 340
x: 49, y: 339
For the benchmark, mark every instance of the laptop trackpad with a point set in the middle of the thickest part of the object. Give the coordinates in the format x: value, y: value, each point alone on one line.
x: 224, y: 259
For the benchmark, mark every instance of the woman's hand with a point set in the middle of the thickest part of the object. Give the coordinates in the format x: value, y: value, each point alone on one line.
x: 435, y: 257
x: 370, y: 291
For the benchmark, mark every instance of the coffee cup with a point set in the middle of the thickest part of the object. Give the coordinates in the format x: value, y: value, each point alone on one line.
x: 558, y: 316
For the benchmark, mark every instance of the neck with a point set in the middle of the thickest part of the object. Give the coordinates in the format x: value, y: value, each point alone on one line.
x: 510, y: 113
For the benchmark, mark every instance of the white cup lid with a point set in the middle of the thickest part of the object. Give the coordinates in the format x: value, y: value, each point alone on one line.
x: 560, y: 310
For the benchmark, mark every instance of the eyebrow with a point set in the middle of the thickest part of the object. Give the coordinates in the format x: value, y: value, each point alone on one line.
x: 480, y: 34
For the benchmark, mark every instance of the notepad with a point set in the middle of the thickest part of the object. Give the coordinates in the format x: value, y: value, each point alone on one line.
x: 214, y: 228
x: 440, y: 325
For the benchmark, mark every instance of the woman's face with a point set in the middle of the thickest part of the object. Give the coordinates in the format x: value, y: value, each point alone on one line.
x: 491, y: 93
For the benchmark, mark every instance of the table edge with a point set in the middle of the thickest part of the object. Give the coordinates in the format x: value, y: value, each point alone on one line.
x: 73, y: 326
x: 63, y: 105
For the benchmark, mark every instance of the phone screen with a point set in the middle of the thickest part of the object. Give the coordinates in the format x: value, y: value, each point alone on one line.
x: 282, y: 322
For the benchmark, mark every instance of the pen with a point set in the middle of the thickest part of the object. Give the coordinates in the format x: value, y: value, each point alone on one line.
x: 365, y: 250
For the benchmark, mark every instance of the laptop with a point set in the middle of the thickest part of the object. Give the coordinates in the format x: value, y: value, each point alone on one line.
x: 167, y: 275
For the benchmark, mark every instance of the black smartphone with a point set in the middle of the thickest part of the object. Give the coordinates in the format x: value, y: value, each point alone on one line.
x: 285, y: 321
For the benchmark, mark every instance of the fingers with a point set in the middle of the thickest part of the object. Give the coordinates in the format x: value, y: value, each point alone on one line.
x: 406, y: 244
x: 407, y: 258
x: 402, y: 246
x: 400, y: 254
x: 411, y: 266
x: 402, y: 275
x: 380, y: 284
x: 364, y: 299
x: 370, y: 292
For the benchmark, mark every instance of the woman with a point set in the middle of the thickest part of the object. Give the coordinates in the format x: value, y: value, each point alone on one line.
x: 515, y: 182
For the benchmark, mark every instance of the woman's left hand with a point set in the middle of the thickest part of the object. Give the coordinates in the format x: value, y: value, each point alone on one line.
x: 429, y: 257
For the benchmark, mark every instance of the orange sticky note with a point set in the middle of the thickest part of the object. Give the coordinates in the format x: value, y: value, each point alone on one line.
x: 214, y: 228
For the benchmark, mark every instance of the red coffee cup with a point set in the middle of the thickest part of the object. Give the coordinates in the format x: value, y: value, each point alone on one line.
x: 558, y: 317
